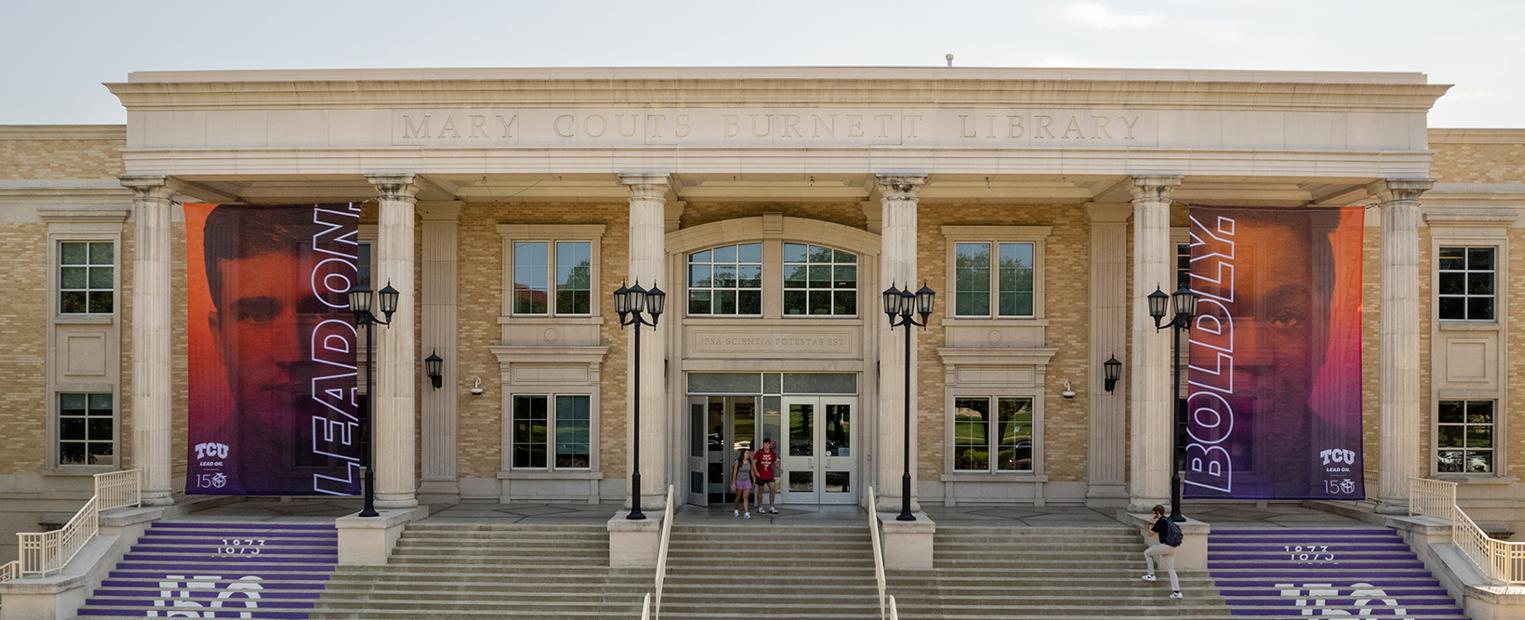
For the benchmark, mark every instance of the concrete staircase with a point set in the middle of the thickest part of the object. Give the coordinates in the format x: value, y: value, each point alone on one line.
x: 1046, y: 573
x: 219, y: 570
x: 1298, y: 573
x: 753, y: 570
x: 448, y: 570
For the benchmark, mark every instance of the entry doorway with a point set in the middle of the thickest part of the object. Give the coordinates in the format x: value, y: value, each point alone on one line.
x: 820, y: 464
x: 814, y: 436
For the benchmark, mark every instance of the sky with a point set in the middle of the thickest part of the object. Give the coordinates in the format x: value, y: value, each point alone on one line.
x: 56, y: 53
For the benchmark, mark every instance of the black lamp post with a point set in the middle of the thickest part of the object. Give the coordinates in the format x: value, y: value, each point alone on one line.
x: 360, y: 304
x: 901, y: 304
x: 630, y: 303
x: 1184, y: 303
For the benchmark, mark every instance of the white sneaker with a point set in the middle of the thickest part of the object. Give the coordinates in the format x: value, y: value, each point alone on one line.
x: 773, y: 510
x: 1148, y: 577
x: 746, y: 515
x: 1175, y: 595
x: 735, y: 513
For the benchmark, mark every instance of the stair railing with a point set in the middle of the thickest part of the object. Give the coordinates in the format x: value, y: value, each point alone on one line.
x: 1500, y: 560
x: 45, y: 553
x: 894, y: 613
x: 662, y: 554
x: 646, y: 607
x: 874, y: 538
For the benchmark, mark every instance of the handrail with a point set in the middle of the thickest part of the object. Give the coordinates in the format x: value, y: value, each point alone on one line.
x: 1500, y: 560
x: 894, y: 612
x: 44, y: 553
x: 662, y: 553
x: 646, y: 607
x: 873, y: 535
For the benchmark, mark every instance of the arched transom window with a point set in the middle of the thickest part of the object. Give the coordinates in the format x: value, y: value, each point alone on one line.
x: 819, y: 280
x: 726, y: 280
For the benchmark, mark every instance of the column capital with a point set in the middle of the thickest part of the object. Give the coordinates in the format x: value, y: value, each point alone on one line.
x: 1390, y: 191
x: 647, y: 186
x: 1154, y: 188
x: 899, y: 186
x: 148, y: 187
x: 394, y: 186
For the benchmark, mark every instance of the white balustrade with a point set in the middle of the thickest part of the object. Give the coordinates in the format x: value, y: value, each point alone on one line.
x: 45, y: 553
x: 1500, y: 560
x: 874, y: 539
x: 662, y: 553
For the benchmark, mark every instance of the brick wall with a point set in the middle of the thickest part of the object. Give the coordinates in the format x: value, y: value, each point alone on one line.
x: 61, y: 152
x: 23, y: 323
x: 1067, y: 288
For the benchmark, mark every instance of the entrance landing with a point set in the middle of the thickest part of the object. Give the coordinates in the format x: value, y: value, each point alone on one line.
x: 788, y: 515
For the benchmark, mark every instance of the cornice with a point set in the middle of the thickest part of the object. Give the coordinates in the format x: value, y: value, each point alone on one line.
x: 738, y: 87
x: 63, y: 132
x: 1501, y: 135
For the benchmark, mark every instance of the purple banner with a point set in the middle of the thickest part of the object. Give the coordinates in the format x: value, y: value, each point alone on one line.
x: 1273, y: 407
x: 273, y: 400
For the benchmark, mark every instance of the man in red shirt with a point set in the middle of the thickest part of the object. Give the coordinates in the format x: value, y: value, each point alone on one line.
x: 767, y: 479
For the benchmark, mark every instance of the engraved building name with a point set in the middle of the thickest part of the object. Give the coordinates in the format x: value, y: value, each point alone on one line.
x: 583, y: 127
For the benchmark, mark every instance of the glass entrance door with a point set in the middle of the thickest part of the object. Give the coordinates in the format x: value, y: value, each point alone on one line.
x: 819, y: 464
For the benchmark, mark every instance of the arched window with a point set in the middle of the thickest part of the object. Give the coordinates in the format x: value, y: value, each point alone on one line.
x: 820, y: 281
x: 726, y: 281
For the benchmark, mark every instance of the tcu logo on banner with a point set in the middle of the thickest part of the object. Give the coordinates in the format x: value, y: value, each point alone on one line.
x: 211, y: 450
x: 1347, y: 457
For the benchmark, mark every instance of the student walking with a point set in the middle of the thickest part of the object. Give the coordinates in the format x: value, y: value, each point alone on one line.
x: 767, y: 480
x: 1167, y: 536
x: 741, y: 483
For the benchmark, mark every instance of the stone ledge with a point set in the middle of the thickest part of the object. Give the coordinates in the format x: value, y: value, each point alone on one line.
x: 368, y: 541
x: 1192, y: 554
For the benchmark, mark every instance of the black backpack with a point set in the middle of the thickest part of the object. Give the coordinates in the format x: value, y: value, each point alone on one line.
x: 1172, y: 533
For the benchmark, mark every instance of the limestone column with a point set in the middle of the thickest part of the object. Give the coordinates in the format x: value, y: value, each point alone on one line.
x: 897, y: 265
x: 1153, y: 266
x: 1106, y: 466
x: 397, y: 368
x: 439, y: 284
x: 151, y: 362
x: 1398, y: 329
x: 648, y: 255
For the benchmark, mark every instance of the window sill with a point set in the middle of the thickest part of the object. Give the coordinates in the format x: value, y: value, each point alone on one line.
x: 996, y: 477
x: 577, y: 474
x: 1474, y: 479
x: 1468, y: 326
x: 550, y: 320
x: 79, y: 470
x: 985, y: 320
x: 84, y: 319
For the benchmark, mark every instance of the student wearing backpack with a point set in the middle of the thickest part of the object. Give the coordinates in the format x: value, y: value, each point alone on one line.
x: 1167, y: 537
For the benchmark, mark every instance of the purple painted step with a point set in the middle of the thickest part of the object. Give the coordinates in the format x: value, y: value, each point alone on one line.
x: 220, y: 570
x: 1319, y: 572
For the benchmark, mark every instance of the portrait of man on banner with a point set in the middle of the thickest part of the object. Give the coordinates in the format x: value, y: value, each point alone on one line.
x: 274, y: 405
x: 1273, y: 402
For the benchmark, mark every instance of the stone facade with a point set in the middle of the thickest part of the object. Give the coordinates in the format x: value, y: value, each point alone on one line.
x: 53, y: 166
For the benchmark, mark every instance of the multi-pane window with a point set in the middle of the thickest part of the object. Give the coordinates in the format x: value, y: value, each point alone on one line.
x: 86, y: 429
x: 726, y: 280
x: 1464, y: 437
x: 993, y: 274
x: 551, y: 438
x: 85, y: 277
x: 992, y: 434
x: 558, y: 282
x: 820, y: 280
x: 1466, y: 283
x: 1183, y: 265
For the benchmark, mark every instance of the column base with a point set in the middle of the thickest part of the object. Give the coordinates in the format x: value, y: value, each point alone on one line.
x: 1392, y: 506
x: 396, y: 502
x: 158, y: 498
